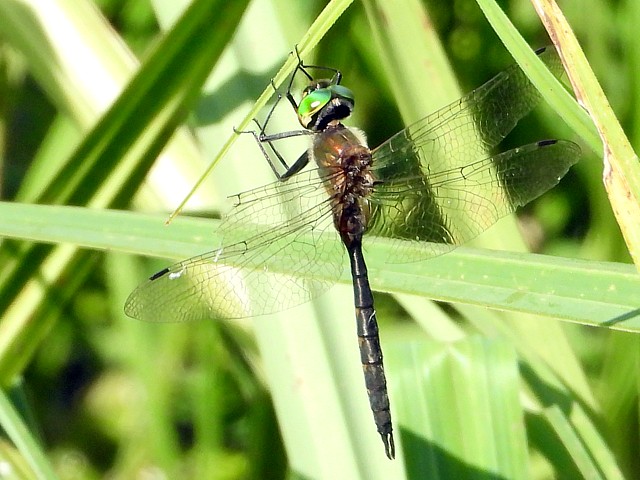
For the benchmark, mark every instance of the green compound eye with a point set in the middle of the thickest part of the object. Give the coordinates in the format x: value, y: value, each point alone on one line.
x: 313, y: 102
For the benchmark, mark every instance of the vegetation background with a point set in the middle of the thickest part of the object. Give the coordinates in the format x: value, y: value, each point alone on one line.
x: 476, y: 393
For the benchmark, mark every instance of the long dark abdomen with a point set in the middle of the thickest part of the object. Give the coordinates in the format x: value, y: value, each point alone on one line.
x: 369, y: 343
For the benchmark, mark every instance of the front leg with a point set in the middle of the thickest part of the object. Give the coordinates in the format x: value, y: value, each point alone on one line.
x: 262, y: 138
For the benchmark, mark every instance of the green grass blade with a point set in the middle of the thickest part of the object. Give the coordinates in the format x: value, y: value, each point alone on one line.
x: 22, y: 438
x: 412, y: 56
x: 592, y: 293
x: 621, y: 172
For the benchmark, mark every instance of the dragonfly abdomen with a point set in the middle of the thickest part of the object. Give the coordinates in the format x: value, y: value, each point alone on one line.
x: 369, y: 344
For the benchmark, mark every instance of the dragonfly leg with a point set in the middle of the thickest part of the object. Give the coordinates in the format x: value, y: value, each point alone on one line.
x: 336, y: 75
x: 261, y: 138
x: 296, y: 167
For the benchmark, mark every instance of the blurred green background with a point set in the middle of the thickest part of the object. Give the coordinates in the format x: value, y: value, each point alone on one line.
x: 110, y: 397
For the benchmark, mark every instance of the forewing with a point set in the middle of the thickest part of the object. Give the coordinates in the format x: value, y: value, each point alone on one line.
x: 280, y: 250
x: 465, y: 130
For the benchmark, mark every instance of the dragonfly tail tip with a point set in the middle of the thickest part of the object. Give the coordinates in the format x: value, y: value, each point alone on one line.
x: 389, y: 445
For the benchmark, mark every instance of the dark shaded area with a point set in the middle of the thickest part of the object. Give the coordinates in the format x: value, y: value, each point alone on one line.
x: 28, y: 117
x: 425, y: 459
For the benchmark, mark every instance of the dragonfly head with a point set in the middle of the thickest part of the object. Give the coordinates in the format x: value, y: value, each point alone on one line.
x: 323, y: 102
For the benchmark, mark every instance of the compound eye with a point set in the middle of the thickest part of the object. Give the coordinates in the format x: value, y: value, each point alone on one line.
x: 313, y: 101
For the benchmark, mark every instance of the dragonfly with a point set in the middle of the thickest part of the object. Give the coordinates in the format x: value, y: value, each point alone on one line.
x: 427, y: 189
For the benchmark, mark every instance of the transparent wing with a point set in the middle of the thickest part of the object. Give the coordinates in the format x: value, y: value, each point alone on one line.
x: 437, y: 181
x: 266, y: 264
x: 465, y: 130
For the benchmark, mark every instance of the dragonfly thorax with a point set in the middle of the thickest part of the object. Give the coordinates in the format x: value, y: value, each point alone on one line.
x: 345, y: 161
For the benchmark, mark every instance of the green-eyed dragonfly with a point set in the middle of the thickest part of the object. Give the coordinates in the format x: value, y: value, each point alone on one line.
x: 432, y: 186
